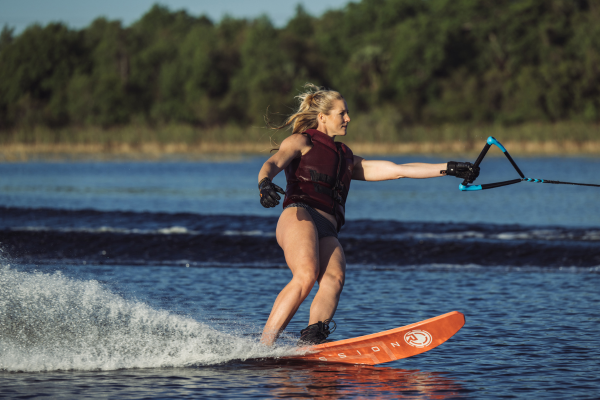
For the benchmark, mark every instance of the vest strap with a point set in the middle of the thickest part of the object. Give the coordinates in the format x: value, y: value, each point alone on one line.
x: 320, y: 177
x: 322, y: 189
x: 338, y: 187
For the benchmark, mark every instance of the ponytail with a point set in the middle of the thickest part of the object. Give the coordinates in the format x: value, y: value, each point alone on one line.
x: 314, y: 101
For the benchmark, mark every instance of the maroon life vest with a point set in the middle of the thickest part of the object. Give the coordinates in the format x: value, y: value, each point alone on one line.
x: 320, y: 178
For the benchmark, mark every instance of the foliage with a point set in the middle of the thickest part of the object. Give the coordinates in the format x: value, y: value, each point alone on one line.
x: 408, y: 62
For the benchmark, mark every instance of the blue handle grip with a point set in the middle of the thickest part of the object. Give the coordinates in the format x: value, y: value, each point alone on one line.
x: 469, y: 188
x: 492, y: 140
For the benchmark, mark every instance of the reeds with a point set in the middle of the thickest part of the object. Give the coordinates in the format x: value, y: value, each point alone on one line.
x: 368, y: 134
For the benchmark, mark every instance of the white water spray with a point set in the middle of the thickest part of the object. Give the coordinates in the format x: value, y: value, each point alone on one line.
x: 52, y: 322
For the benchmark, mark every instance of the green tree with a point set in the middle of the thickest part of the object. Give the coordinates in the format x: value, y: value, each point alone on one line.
x: 266, y: 77
x: 98, y: 92
x: 424, y: 61
x: 34, y: 71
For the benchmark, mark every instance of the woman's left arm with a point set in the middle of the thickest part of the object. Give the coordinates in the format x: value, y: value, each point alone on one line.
x: 376, y: 170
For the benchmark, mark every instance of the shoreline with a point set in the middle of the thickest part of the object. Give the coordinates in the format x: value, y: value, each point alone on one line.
x: 153, y: 151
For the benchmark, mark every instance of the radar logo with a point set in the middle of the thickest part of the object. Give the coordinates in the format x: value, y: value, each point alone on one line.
x: 418, y: 338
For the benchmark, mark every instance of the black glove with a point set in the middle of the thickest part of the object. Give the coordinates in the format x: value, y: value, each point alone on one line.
x: 463, y: 170
x: 268, y: 193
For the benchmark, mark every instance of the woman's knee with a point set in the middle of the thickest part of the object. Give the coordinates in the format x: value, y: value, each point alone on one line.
x: 306, y: 279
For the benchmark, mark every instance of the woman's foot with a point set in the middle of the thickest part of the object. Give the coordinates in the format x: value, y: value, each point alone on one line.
x: 316, y: 333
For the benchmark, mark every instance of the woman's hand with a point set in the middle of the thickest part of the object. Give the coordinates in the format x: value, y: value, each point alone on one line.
x: 462, y: 170
x: 268, y: 193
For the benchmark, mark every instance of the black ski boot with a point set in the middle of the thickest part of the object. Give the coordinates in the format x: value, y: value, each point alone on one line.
x: 316, y: 333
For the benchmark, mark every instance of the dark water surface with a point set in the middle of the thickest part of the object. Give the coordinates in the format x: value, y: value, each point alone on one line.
x: 530, y: 334
x: 153, y: 280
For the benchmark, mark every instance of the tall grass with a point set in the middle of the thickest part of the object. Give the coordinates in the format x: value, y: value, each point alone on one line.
x: 378, y: 132
x: 134, y: 135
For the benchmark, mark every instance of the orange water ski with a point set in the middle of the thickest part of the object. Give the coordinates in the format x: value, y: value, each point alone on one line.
x: 403, y: 342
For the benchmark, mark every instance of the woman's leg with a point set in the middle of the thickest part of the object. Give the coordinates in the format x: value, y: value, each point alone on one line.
x: 331, y: 280
x: 297, y: 236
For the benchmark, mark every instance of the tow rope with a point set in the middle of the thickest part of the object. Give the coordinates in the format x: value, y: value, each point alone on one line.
x: 492, y: 141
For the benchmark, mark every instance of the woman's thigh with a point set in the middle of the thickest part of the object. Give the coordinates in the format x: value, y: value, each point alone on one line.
x: 297, y: 235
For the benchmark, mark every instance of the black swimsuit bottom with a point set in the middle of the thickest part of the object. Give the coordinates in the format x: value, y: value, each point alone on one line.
x: 324, y: 226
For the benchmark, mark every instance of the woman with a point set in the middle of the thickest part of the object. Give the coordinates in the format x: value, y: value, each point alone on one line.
x: 318, y: 172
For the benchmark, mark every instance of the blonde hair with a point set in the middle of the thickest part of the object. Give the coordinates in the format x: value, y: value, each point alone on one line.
x: 314, y: 101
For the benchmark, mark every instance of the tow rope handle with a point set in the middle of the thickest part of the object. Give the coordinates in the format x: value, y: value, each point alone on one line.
x: 492, y: 141
x: 465, y: 187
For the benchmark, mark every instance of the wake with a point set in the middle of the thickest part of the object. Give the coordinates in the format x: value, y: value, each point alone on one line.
x: 52, y: 322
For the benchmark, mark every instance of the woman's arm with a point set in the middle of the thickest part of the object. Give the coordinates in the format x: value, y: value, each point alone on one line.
x: 374, y: 170
x: 292, y: 147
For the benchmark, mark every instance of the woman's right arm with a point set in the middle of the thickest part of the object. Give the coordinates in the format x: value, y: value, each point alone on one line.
x: 292, y: 147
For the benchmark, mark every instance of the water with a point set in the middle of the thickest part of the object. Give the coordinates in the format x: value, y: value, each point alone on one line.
x: 231, y: 188
x: 141, y: 280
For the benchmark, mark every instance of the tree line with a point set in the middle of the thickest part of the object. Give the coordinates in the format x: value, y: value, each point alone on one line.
x: 415, y: 62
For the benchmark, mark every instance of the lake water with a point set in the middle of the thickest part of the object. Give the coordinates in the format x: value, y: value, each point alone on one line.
x: 153, y: 280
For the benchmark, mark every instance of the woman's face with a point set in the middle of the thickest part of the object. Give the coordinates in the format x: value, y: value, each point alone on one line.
x: 336, y: 122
